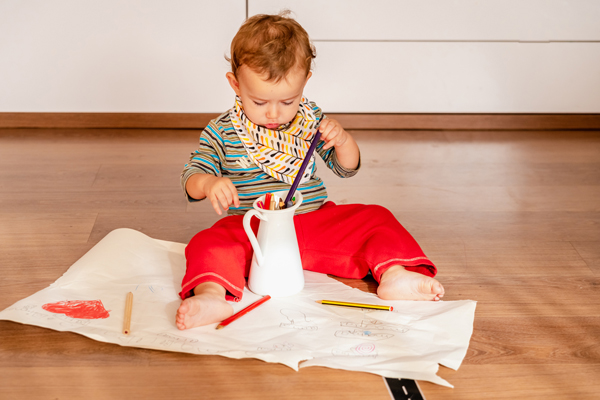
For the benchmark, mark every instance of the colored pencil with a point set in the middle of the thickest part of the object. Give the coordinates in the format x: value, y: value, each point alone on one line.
x: 311, y: 149
x: 357, y: 305
x: 235, y: 316
x: 267, y: 201
x: 128, y: 308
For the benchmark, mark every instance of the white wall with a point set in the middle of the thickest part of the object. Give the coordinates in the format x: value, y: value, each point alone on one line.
x: 507, y: 56
x: 447, y: 20
x: 116, y: 55
x: 377, y: 56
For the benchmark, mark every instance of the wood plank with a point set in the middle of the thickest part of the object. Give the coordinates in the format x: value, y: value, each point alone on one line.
x: 486, y: 258
x: 482, y: 147
x: 96, y: 146
x: 481, y: 227
x: 90, y: 201
x: 260, y: 380
x: 521, y: 295
x: 47, y: 177
x: 466, y: 122
x: 446, y: 121
x: 473, y: 198
x: 448, y: 255
x: 160, y: 176
x: 510, y: 381
x: 559, y: 175
x: 177, y: 227
x: 535, y: 340
x: 535, y: 258
x: 590, y: 252
x: 31, y: 229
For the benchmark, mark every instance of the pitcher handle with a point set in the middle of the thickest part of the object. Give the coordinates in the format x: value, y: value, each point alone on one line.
x: 253, y: 241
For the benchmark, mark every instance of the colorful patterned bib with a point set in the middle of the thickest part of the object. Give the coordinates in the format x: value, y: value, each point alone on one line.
x: 278, y: 152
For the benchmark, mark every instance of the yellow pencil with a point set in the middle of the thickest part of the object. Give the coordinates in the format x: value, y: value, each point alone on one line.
x: 357, y: 305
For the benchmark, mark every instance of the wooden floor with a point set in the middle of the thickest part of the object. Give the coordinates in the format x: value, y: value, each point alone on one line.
x: 512, y: 220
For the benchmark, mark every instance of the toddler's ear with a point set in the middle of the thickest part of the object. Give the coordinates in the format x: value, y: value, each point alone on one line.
x: 233, y: 82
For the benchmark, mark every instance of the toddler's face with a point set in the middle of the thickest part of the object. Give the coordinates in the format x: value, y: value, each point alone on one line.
x: 268, y: 104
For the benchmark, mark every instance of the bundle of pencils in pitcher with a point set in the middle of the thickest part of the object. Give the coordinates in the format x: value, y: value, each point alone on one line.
x: 273, y: 202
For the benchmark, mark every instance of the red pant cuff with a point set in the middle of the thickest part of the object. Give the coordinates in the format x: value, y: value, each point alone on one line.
x: 234, y: 293
x: 421, y: 265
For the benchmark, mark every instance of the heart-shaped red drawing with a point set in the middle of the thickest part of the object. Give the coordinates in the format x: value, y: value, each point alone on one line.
x: 82, y: 309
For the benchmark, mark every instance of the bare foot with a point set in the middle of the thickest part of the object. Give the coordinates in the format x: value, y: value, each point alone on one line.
x: 206, y: 307
x: 400, y: 284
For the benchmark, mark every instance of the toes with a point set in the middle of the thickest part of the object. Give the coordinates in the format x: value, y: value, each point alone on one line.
x: 183, y: 308
x: 180, y: 322
x: 180, y: 317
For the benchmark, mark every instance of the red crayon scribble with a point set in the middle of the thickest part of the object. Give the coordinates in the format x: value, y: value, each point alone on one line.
x: 82, y: 309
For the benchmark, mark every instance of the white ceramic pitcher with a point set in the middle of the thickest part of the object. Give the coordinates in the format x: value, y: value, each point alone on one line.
x: 276, y: 267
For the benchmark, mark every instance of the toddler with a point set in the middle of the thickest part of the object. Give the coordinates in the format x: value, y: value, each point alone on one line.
x: 257, y: 147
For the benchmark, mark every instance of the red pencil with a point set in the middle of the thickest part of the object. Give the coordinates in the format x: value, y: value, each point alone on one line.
x: 242, y: 312
x: 267, y: 200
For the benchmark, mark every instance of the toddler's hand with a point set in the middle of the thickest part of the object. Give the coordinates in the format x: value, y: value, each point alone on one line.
x: 221, y: 192
x: 332, y: 133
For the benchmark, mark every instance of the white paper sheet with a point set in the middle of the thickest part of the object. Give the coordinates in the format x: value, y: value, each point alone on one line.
x: 408, y: 342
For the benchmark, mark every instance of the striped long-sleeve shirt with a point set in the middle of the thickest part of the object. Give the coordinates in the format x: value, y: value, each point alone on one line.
x: 221, y: 153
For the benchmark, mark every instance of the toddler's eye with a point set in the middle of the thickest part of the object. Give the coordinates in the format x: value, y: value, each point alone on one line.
x: 259, y: 104
x: 288, y: 103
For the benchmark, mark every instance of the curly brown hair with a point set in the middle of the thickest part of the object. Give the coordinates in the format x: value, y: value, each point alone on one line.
x: 271, y: 45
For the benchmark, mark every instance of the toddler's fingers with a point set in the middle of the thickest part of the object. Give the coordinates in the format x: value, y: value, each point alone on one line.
x: 330, y: 138
x: 234, y: 195
x: 225, y: 199
x: 215, y: 203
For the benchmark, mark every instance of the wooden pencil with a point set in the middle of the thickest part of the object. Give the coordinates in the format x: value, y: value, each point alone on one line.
x: 272, y: 204
x: 357, y: 305
x: 237, y: 315
x: 128, y: 308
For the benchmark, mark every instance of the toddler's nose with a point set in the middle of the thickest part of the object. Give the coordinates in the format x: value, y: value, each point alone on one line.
x: 272, y: 112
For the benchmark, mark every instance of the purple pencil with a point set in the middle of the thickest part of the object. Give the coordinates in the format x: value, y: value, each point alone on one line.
x: 311, y: 149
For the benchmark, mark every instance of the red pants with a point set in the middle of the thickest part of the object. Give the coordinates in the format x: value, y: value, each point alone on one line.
x: 345, y: 241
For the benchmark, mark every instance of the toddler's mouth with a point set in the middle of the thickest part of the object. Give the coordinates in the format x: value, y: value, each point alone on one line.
x: 271, y: 126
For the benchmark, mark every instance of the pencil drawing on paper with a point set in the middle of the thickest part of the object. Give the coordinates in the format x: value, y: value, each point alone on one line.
x: 155, y: 288
x: 361, y: 350
x: 296, y: 320
x: 375, y: 325
x: 168, y: 340
x: 120, y: 338
x: 30, y: 311
x: 277, y: 347
x: 358, y: 333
